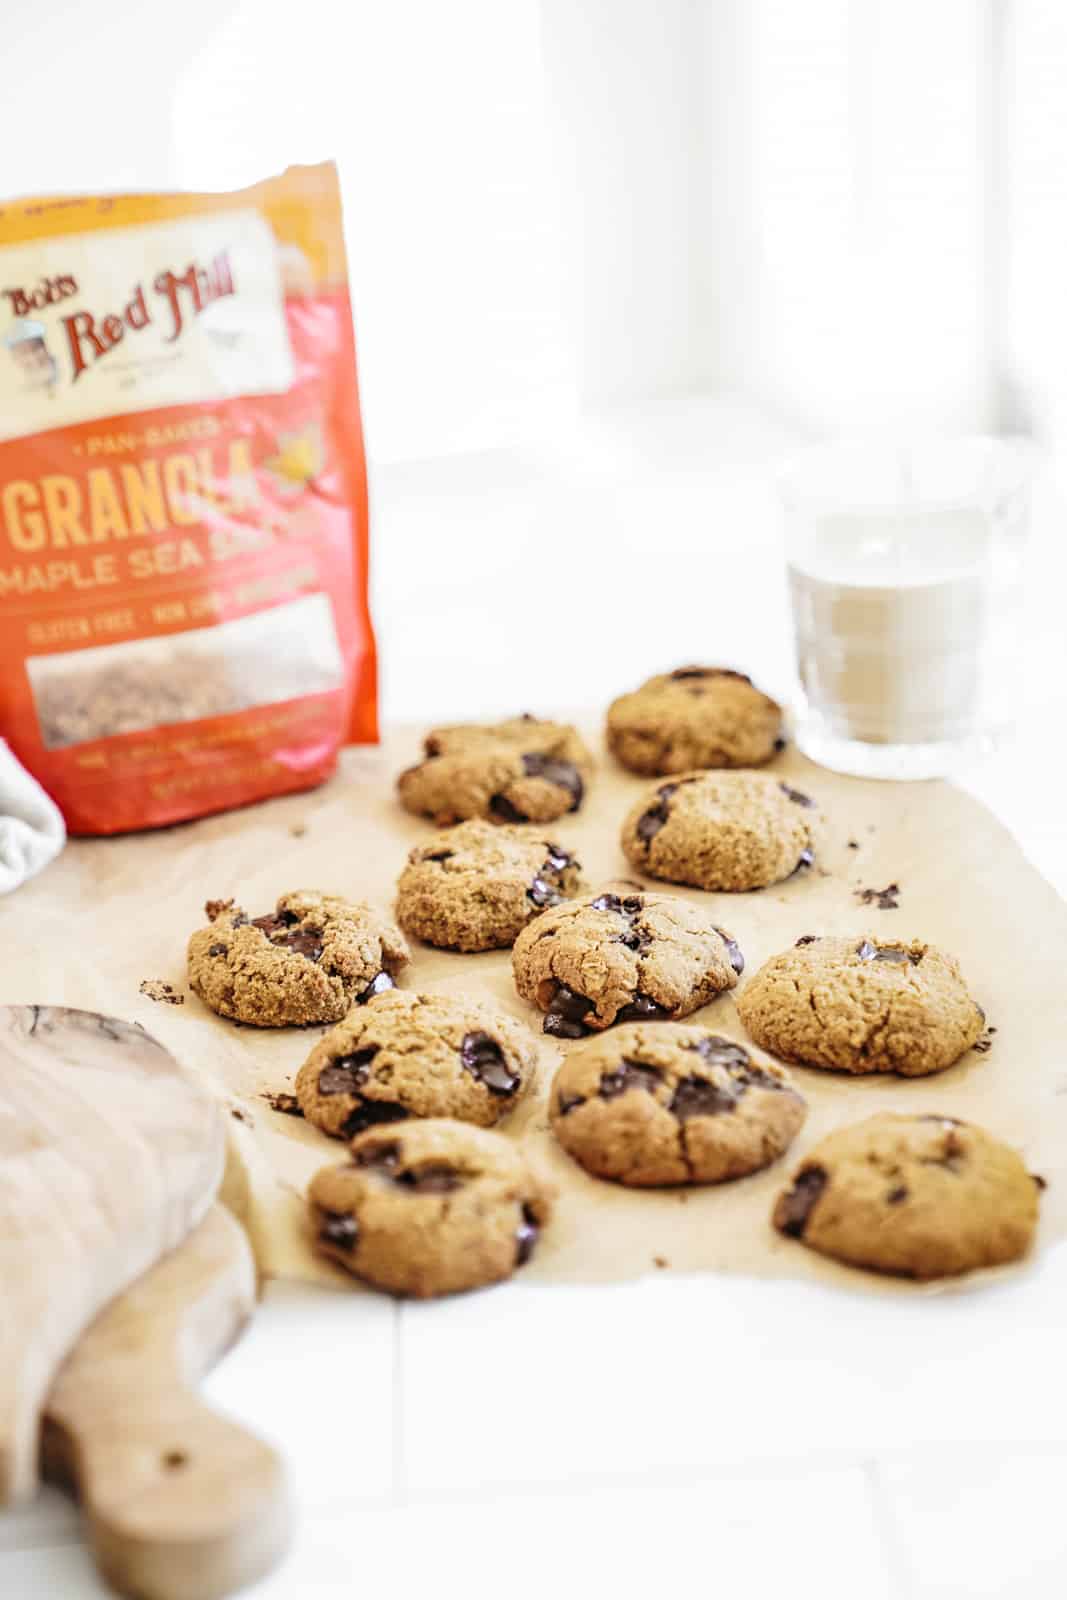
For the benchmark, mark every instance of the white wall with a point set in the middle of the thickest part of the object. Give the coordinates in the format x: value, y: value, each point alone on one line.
x: 556, y: 206
x: 623, y: 124
x: 847, y: 195
x: 437, y: 115
x: 1032, y: 352
x: 87, y: 89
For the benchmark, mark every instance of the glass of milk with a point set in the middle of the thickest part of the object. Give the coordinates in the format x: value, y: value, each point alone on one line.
x: 905, y: 570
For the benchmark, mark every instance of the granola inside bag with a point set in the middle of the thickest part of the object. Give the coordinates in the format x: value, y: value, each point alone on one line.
x: 184, y: 620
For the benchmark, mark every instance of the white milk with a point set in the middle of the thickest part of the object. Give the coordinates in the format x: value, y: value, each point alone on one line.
x: 891, y: 616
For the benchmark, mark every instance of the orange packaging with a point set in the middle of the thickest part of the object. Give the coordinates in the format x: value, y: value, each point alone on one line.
x: 184, y: 622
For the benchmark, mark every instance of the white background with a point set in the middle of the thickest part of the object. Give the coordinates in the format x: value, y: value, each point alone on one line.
x: 609, y: 259
x: 849, y: 209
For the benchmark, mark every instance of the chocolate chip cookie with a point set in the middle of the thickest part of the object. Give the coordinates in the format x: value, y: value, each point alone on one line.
x: 694, y: 717
x: 635, y: 958
x: 651, y: 1105
x: 415, y: 1055
x: 433, y: 1208
x: 522, y: 770
x: 862, y: 1005
x: 924, y: 1197
x: 308, y: 960
x: 478, y: 885
x: 721, y: 830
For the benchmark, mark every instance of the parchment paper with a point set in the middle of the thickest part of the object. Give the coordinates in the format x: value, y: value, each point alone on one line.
x: 114, y: 913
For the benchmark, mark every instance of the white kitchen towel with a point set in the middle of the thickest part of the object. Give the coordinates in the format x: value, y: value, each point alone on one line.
x: 32, y: 832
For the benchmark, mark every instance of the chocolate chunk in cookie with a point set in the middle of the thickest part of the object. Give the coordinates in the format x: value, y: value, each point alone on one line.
x: 484, y: 1058
x: 797, y: 1202
x: 566, y: 1012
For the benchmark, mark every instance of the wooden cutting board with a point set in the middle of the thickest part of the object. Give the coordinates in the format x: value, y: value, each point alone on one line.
x: 180, y: 1503
x: 110, y: 1153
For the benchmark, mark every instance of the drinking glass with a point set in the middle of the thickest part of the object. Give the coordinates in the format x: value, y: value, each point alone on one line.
x: 905, y: 577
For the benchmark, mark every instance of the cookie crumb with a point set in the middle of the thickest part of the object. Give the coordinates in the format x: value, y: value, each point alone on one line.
x: 287, y: 1104
x: 156, y: 989
x: 298, y: 830
x: 885, y: 899
x: 853, y: 844
x: 660, y: 1261
x: 239, y: 1116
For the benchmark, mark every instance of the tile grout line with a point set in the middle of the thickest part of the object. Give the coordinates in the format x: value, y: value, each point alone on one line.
x: 591, y: 1483
x: 667, y: 1475
x: 400, y: 1473
x: 893, y: 1551
x: 671, y: 1474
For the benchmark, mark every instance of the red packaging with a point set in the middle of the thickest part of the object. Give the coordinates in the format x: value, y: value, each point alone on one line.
x: 184, y: 620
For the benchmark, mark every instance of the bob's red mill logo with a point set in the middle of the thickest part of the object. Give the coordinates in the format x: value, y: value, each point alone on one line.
x: 176, y: 297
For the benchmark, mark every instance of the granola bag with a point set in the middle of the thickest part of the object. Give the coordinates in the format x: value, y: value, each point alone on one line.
x: 184, y: 622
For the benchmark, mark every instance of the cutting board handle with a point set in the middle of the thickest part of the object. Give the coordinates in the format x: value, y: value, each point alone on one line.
x: 179, y: 1505
x: 180, y: 1502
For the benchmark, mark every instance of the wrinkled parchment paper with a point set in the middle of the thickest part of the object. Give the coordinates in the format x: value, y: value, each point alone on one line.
x: 112, y: 914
